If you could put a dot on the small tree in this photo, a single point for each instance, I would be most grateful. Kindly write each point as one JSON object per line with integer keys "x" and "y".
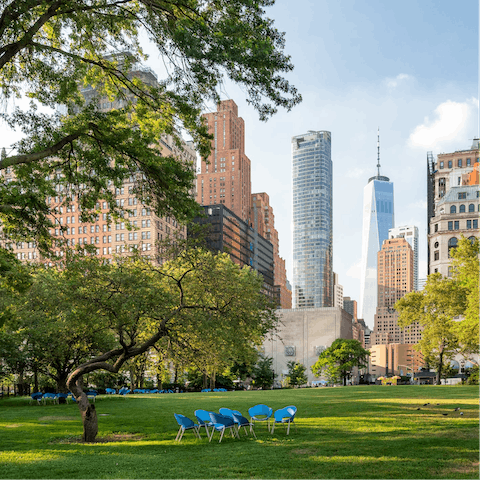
{"x": 296, "y": 374}
{"x": 339, "y": 360}
{"x": 263, "y": 373}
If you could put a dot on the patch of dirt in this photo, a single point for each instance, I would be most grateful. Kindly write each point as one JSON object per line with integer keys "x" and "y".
{"x": 116, "y": 437}
{"x": 303, "y": 451}
{"x": 53, "y": 418}
{"x": 467, "y": 469}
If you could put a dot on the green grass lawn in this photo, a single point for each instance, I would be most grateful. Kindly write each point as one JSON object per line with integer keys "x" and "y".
{"x": 349, "y": 432}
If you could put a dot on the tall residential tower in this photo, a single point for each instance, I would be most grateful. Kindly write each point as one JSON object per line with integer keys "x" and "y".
{"x": 377, "y": 220}
{"x": 312, "y": 220}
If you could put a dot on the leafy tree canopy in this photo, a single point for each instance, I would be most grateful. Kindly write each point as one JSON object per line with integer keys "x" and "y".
{"x": 338, "y": 360}
{"x": 434, "y": 308}
{"x": 466, "y": 276}
{"x": 55, "y": 52}
{"x": 111, "y": 313}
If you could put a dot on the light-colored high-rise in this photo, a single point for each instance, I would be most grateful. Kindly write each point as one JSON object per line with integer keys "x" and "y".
{"x": 378, "y": 219}
{"x": 410, "y": 234}
{"x": 312, "y": 220}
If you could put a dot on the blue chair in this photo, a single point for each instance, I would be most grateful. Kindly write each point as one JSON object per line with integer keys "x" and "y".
{"x": 110, "y": 391}
{"x": 260, "y": 413}
{"x": 241, "y": 421}
{"x": 228, "y": 412}
{"x": 36, "y": 396}
{"x": 185, "y": 424}
{"x": 92, "y": 394}
{"x": 285, "y": 416}
{"x": 62, "y": 395}
{"x": 220, "y": 423}
{"x": 49, "y": 396}
{"x": 203, "y": 417}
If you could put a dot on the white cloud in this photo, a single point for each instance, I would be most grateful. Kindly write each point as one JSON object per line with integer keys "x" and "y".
{"x": 355, "y": 172}
{"x": 355, "y": 271}
{"x": 450, "y": 123}
{"x": 400, "y": 78}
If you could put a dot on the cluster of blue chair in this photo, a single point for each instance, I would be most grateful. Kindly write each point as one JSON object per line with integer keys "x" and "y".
{"x": 124, "y": 391}
{"x": 233, "y": 420}
{"x": 215, "y": 390}
{"x": 40, "y": 397}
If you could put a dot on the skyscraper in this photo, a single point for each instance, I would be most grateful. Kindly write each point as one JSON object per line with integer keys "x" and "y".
{"x": 312, "y": 220}
{"x": 410, "y": 234}
{"x": 377, "y": 220}
{"x": 225, "y": 177}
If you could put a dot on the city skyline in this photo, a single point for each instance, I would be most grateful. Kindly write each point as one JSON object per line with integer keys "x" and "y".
{"x": 359, "y": 67}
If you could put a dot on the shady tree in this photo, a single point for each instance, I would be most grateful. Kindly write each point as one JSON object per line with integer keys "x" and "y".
{"x": 135, "y": 305}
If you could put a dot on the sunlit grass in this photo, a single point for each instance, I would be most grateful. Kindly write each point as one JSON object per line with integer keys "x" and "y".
{"x": 352, "y": 432}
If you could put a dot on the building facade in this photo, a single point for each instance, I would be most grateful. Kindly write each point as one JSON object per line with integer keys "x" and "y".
{"x": 302, "y": 336}
{"x": 312, "y": 220}
{"x": 229, "y": 233}
{"x": 378, "y": 219}
{"x": 453, "y": 204}
{"x": 224, "y": 178}
{"x": 111, "y": 238}
{"x": 387, "y": 360}
{"x": 395, "y": 280}
{"x": 263, "y": 221}
{"x": 410, "y": 234}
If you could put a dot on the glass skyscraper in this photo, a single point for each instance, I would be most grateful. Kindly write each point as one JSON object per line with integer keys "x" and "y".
{"x": 312, "y": 220}
{"x": 377, "y": 220}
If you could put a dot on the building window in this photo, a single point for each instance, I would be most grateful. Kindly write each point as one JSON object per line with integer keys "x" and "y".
{"x": 475, "y": 224}
{"x": 450, "y": 225}
{"x": 450, "y": 271}
{"x": 436, "y": 255}
{"x": 456, "y": 225}
{"x": 469, "y": 224}
{"x": 460, "y": 164}
{"x": 436, "y": 244}
{"x": 462, "y": 195}
{"x": 472, "y": 239}
{"x": 441, "y": 165}
{"x": 449, "y": 164}
{"x": 453, "y": 209}
{"x": 471, "y": 208}
{"x": 436, "y": 227}
{"x": 469, "y": 162}
{"x": 452, "y": 243}
{"x": 462, "y": 208}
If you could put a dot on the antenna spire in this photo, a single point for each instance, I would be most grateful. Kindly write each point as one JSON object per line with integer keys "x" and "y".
{"x": 378, "y": 151}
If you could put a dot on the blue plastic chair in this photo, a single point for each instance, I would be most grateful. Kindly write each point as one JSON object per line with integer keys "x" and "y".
{"x": 185, "y": 424}
{"x": 228, "y": 412}
{"x": 260, "y": 413}
{"x": 220, "y": 423}
{"x": 36, "y": 396}
{"x": 62, "y": 395}
{"x": 203, "y": 417}
{"x": 110, "y": 391}
{"x": 285, "y": 416}
{"x": 49, "y": 396}
{"x": 241, "y": 421}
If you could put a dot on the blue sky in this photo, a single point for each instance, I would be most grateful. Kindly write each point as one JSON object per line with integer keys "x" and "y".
{"x": 410, "y": 68}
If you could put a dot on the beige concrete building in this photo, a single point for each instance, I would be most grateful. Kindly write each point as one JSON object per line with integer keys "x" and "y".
{"x": 302, "y": 336}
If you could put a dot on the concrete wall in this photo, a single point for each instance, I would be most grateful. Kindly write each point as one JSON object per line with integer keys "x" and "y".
{"x": 307, "y": 330}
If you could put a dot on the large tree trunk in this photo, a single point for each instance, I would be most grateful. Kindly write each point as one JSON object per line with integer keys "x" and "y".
{"x": 439, "y": 368}
{"x": 87, "y": 411}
